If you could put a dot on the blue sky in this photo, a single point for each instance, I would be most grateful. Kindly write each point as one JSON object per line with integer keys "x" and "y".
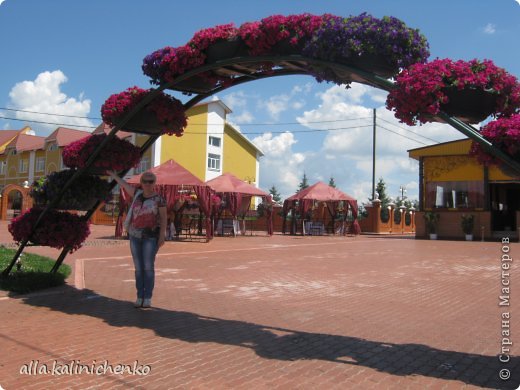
{"x": 67, "y": 57}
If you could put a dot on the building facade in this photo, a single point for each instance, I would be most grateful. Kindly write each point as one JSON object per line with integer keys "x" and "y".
{"x": 452, "y": 183}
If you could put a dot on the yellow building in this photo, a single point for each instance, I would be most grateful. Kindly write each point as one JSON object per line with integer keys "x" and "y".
{"x": 453, "y": 183}
{"x": 24, "y": 158}
{"x": 209, "y": 147}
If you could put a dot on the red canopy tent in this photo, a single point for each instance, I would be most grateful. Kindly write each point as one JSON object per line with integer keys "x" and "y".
{"x": 237, "y": 196}
{"x": 302, "y": 202}
{"x": 174, "y": 182}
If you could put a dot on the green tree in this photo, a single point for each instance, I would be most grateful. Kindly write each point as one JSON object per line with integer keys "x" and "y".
{"x": 381, "y": 190}
{"x": 304, "y": 183}
{"x": 277, "y": 198}
{"x": 383, "y": 197}
{"x": 332, "y": 183}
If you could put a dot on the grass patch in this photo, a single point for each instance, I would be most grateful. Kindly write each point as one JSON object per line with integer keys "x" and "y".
{"x": 33, "y": 274}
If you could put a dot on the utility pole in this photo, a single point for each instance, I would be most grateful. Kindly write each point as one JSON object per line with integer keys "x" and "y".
{"x": 374, "y": 155}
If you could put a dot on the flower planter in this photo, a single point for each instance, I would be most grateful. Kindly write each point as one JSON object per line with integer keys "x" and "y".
{"x": 145, "y": 122}
{"x": 225, "y": 49}
{"x": 469, "y": 105}
{"x": 82, "y": 194}
{"x": 117, "y": 155}
{"x": 284, "y": 47}
{"x": 57, "y": 229}
{"x": 469, "y": 237}
{"x": 81, "y": 205}
{"x": 433, "y": 236}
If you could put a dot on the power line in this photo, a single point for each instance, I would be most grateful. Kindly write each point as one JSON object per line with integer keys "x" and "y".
{"x": 199, "y": 133}
{"x": 401, "y": 135}
{"x": 249, "y": 132}
{"x": 194, "y": 124}
{"x": 410, "y": 131}
{"x": 48, "y": 113}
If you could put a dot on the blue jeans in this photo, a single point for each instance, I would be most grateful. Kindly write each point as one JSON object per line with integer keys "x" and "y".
{"x": 143, "y": 252}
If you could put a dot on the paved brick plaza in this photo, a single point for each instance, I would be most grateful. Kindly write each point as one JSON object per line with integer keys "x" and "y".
{"x": 262, "y": 313}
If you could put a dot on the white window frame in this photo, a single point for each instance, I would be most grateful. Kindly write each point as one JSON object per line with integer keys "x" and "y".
{"x": 212, "y": 139}
{"x": 3, "y": 167}
{"x": 144, "y": 165}
{"x": 214, "y": 162}
{"x": 23, "y": 165}
{"x": 40, "y": 164}
{"x": 52, "y": 147}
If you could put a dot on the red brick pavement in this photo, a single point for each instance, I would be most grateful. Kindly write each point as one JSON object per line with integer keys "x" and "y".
{"x": 270, "y": 313}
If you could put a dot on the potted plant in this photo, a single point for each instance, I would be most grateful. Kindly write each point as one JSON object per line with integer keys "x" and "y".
{"x": 431, "y": 220}
{"x": 470, "y": 90}
{"x": 279, "y": 34}
{"x": 117, "y": 155}
{"x": 57, "y": 229}
{"x": 467, "y": 223}
{"x": 81, "y": 195}
{"x": 381, "y": 46}
{"x": 163, "y": 115}
{"x": 503, "y": 133}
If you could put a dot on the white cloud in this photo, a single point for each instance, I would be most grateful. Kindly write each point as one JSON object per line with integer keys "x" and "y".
{"x": 490, "y": 28}
{"x": 44, "y": 95}
{"x": 346, "y": 153}
{"x": 1, "y": 1}
{"x": 280, "y": 166}
{"x": 278, "y": 104}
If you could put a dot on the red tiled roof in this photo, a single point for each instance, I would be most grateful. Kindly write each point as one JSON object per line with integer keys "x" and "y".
{"x": 24, "y": 142}
{"x": 104, "y": 128}
{"x": 64, "y": 136}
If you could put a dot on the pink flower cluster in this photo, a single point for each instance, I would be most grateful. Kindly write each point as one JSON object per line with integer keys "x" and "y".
{"x": 117, "y": 155}
{"x": 261, "y": 36}
{"x": 57, "y": 229}
{"x": 207, "y": 37}
{"x": 168, "y": 110}
{"x": 165, "y": 64}
{"x": 503, "y": 133}
{"x": 421, "y": 90}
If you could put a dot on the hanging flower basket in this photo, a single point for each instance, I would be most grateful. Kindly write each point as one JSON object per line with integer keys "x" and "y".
{"x": 57, "y": 229}
{"x": 504, "y": 134}
{"x": 381, "y": 46}
{"x": 470, "y": 105}
{"x": 163, "y": 115}
{"x": 117, "y": 155}
{"x": 279, "y": 34}
{"x": 423, "y": 90}
{"x": 223, "y": 50}
{"x": 81, "y": 195}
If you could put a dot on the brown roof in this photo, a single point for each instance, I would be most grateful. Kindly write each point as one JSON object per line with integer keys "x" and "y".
{"x": 24, "y": 142}
{"x": 64, "y": 136}
{"x": 104, "y": 128}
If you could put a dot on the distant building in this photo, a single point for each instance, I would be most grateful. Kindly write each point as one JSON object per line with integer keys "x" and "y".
{"x": 453, "y": 183}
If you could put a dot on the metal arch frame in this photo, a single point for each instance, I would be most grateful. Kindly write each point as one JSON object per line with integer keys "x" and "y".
{"x": 300, "y": 68}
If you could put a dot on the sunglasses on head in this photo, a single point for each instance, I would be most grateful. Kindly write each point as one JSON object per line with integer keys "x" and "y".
{"x": 148, "y": 181}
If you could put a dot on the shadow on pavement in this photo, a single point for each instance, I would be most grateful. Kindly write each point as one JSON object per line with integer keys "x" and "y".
{"x": 286, "y": 344}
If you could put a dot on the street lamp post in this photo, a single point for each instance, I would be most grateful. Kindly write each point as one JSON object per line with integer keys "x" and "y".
{"x": 402, "y": 189}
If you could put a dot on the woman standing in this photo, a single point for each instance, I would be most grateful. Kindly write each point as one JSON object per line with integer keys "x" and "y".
{"x": 146, "y": 230}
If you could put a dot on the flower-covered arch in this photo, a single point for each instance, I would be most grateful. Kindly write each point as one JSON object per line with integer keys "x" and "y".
{"x": 331, "y": 48}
